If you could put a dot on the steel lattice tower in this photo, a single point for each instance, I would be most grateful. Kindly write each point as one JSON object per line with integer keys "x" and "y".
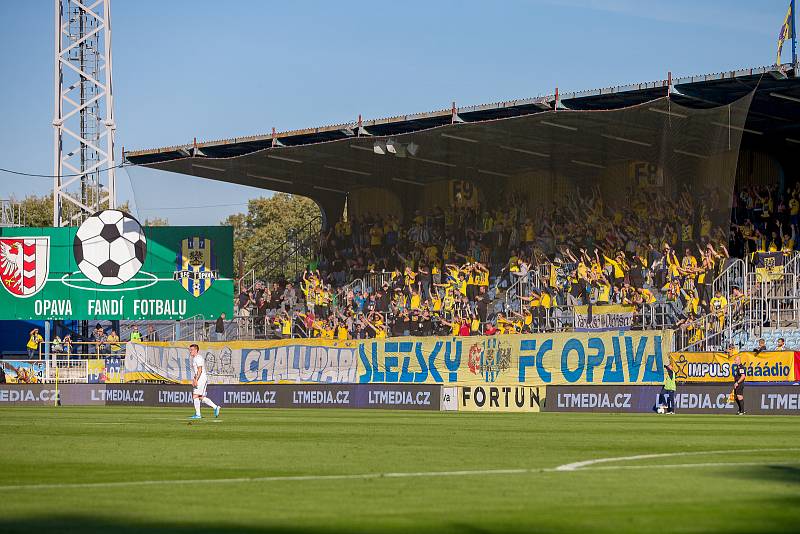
{"x": 83, "y": 123}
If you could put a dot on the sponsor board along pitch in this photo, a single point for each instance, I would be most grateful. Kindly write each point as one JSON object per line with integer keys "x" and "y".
{"x": 122, "y": 469}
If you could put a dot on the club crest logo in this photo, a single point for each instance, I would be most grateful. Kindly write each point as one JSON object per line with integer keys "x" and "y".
{"x": 24, "y": 264}
{"x": 488, "y": 359}
{"x": 196, "y": 265}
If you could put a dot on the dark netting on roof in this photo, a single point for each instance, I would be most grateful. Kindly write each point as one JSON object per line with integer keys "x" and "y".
{"x": 648, "y": 174}
{"x": 627, "y": 178}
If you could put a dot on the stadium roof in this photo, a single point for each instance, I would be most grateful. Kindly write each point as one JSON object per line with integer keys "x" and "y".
{"x": 317, "y": 162}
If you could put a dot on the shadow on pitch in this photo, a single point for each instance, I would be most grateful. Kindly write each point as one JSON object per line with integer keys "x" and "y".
{"x": 85, "y": 524}
{"x": 95, "y": 525}
{"x": 782, "y": 474}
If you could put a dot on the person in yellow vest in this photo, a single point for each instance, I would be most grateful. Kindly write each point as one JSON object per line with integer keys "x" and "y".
{"x": 528, "y": 232}
{"x": 475, "y": 325}
{"x": 603, "y": 291}
{"x": 672, "y": 263}
{"x": 794, "y": 210}
{"x": 34, "y": 339}
{"x": 414, "y": 301}
{"x": 114, "y": 344}
{"x": 136, "y": 335}
{"x": 409, "y": 279}
{"x": 719, "y": 306}
{"x": 524, "y": 320}
{"x": 339, "y": 228}
{"x": 480, "y": 274}
{"x": 668, "y": 390}
{"x": 377, "y": 326}
{"x": 705, "y": 226}
{"x": 646, "y": 295}
{"x": 285, "y": 322}
{"x": 692, "y": 298}
{"x": 696, "y": 328}
{"x": 341, "y": 330}
{"x": 376, "y": 237}
{"x": 328, "y": 330}
{"x": 507, "y": 325}
{"x": 618, "y": 265}
{"x": 455, "y": 325}
{"x": 436, "y": 301}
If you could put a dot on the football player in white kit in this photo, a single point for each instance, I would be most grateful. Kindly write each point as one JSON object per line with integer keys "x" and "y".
{"x": 199, "y": 382}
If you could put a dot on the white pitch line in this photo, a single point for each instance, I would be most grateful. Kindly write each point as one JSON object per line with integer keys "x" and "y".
{"x": 417, "y": 474}
{"x": 576, "y": 466}
{"x": 363, "y": 476}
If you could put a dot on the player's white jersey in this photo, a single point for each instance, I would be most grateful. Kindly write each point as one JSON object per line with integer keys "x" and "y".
{"x": 199, "y": 363}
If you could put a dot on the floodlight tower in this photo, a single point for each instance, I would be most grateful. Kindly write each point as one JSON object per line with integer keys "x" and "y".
{"x": 83, "y": 175}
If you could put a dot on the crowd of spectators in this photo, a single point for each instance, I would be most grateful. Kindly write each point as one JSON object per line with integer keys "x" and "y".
{"x": 452, "y": 270}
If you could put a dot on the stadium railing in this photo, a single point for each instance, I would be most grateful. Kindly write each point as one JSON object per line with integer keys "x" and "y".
{"x": 287, "y": 259}
{"x": 193, "y": 328}
{"x": 66, "y": 371}
{"x": 80, "y": 350}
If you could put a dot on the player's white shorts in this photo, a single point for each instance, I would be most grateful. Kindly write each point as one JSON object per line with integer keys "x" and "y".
{"x": 201, "y": 387}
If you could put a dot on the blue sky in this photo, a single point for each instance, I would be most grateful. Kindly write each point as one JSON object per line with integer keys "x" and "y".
{"x": 213, "y": 70}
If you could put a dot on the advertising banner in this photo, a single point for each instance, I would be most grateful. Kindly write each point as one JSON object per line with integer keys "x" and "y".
{"x": 603, "y": 318}
{"x": 761, "y": 399}
{"x": 449, "y": 399}
{"x": 23, "y": 372}
{"x": 112, "y": 268}
{"x": 773, "y": 400}
{"x": 81, "y": 394}
{"x": 368, "y": 396}
{"x": 500, "y": 398}
{"x": 49, "y": 395}
{"x": 616, "y": 399}
{"x": 247, "y": 362}
{"x": 516, "y": 360}
{"x": 399, "y": 397}
{"x": 718, "y": 366}
{"x": 27, "y": 394}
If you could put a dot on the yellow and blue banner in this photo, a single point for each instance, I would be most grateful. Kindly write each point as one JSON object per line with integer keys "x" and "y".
{"x": 246, "y": 362}
{"x": 517, "y": 360}
{"x": 505, "y": 360}
{"x": 718, "y": 366}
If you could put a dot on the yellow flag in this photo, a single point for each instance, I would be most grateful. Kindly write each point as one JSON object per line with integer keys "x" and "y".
{"x": 785, "y": 33}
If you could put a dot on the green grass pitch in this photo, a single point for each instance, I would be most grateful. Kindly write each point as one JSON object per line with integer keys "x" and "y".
{"x": 120, "y": 470}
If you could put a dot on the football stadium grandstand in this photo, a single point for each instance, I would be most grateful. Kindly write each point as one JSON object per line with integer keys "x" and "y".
{"x": 479, "y": 330}
{"x": 670, "y": 204}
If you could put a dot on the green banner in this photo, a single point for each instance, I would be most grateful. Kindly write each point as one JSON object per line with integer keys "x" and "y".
{"x": 112, "y": 268}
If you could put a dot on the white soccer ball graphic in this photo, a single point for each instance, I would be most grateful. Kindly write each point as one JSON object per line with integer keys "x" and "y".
{"x": 110, "y": 247}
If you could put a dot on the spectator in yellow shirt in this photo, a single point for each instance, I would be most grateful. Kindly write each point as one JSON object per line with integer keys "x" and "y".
{"x": 33, "y": 344}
